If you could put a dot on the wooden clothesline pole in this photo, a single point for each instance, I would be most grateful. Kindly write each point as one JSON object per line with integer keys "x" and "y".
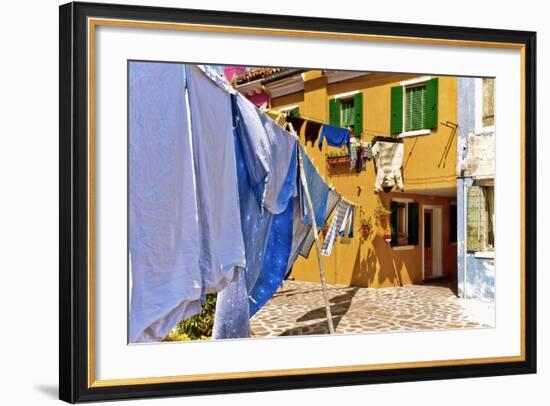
{"x": 317, "y": 244}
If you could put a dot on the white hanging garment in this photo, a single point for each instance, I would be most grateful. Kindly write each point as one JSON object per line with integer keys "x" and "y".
{"x": 163, "y": 228}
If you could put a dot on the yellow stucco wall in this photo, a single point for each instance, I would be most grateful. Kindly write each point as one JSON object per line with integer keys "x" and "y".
{"x": 429, "y": 163}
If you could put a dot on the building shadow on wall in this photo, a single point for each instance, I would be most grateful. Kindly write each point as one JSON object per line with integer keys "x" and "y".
{"x": 339, "y": 306}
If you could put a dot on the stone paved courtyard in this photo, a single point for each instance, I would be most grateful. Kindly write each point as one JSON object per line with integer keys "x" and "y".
{"x": 298, "y": 309}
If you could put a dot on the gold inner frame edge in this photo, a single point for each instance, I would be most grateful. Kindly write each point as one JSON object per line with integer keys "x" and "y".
{"x": 93, "y": 22}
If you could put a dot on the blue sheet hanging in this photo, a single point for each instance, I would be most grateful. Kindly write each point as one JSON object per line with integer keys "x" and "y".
{"x": 318, "y": 191}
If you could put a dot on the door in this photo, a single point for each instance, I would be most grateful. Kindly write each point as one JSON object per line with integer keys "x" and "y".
{"x": 433, "y": 242}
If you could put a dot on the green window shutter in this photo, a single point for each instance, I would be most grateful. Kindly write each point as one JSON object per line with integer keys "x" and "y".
{"x": 295, "y": 112}
{"x": 413, "y": 223}
{"x": 394, "y": 207}
{"x": 430, "y": 107}
{"x": 334, "y": 112}
{"x": 358, "y": 119}
{"x": 396, "y": 120}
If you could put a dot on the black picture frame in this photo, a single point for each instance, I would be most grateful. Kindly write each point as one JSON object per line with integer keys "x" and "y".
{"x": 74, "y": 200}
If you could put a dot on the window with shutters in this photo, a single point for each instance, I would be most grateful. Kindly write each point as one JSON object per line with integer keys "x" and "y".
{"x": 346, "y": 110}
{"x": 404, "y": 223}
{"x": 480, "y": 219}
{"x": 414, "y": 107}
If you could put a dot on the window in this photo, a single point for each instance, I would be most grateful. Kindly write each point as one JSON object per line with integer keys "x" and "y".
{"x": 488, "y": 94}
{"x": 480, "y": 219}
{"x": 293, "y": 111}
{"x": 414, "y": 107}
{"x": 452, "y": 223}
{"x": 347, "y": 111}
{"x": 415, "y": 99}
{"x": 404, "y": 223}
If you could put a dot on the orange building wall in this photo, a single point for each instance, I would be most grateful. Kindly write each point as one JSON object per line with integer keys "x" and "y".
{"x": 372, "y": 262}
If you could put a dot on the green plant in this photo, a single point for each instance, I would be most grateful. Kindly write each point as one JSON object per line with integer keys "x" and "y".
{"x": 381, "y": 211}
{"x": 337, "y": 154}
{"x": 366, "y": 222}
{"x": 199, "y": 327}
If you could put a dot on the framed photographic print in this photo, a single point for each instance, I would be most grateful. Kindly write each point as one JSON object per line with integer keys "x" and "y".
{"x": 257, "y": 202}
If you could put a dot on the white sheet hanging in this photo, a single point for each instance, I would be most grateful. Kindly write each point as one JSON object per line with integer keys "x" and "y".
{"x": 220, "y": 236}
{"x": 163, "y": 227}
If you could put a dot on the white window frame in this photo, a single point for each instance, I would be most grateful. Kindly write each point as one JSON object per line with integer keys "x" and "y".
{"x": 408, "y": 84}
{"x": 406, "y": 220}
{"x": 478, "y": 97}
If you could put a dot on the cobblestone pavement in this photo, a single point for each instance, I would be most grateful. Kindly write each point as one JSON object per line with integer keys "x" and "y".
{"x": 297, "y": 308}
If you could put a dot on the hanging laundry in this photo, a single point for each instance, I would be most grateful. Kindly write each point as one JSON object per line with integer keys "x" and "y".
{"x": 299, "y": 233}
{"x": 353, "y": 153}
{"x": 335, "y": 136}
{"x": 332, "y": 200}
{"x": 312, "y": 132}
{"x": 233, "y": 319}
{"x": 352, "y": 221}
{"x": 367, "y": 151}
{"x": 281, "y": 182}
{"x": 337, "y": 224}
{"x": 276, "y": 258}
{"x": 359, "y": 161}
{"x": 318, "y": 191}
{"x": 297, "y": 123}
{"x": 256, "y": 148}
{"x": 163, "y": 230}
{"x": 257, "y": 224}
{"x": 220, "y": 236}
{"x": 346, "y": 229}
{"x": 388, "y": 157}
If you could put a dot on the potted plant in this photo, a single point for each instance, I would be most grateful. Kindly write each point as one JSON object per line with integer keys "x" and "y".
{"x": 337, "y": 157}
{"x": 383, "y": 216}
{"x": 365, "y": 227}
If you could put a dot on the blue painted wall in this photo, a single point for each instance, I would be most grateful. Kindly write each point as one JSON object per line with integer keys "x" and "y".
{"x": 475, "y": 276}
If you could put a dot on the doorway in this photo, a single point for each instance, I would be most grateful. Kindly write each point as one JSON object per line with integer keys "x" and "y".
{"x": 432, "y": 242}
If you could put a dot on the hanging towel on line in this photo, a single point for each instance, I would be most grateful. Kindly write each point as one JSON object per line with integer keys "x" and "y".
{"x": 297, "y": 123}
{"x": 332, "y": 200}
{"x": 220, "y": 236}
{"x": 337, "y": 224}
{"x": 335, "y": 136}
{"x": 312, "y": 132}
